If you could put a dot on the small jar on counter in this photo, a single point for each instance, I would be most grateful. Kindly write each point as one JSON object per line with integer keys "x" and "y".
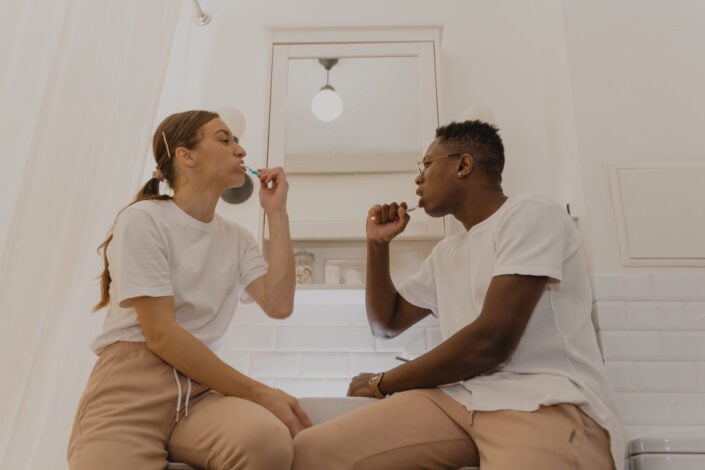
{"x": 304, "y": 266}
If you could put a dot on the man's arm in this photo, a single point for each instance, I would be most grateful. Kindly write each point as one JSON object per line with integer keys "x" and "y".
{"x": 387, "y": 312}
{"x": 477, "y": 348}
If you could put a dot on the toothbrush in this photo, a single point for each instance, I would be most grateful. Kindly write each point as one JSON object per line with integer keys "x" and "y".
{"x": 409, "y": 209}
{"x": 250, "y": 170}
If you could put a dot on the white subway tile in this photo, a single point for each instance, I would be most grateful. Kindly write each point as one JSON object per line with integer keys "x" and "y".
{"x": 251, "y": 338}
{"x": 301, "y": 387}
{"x": 313, "y": 387}
{"x": 238, "y": 360}
{"x": 644, "y": 408}
{"x": 352, "y": 338}
{"x": 701, "y": 376}
{"x": 330, "y": 296}
{"x": 667, "y": 376}
{"x": 412, "y": 341}
{"x": 323, "y": 314}
{"x": 630, "y": 345}
{"x": 623, "y": 287}
{"x": 358, "y": 316}
{"x": 688, "y": 408}
{"x": 274, "y": 364}
{"x": 325, "y": 365}
{"x": 684, "y": 345}
{"x": 655, "y": 316}
{"x": 679, "y": 286}
{"x": 433, "y": 337}
{"x": 610, "y": 315}
{"x": 372, "y": 362}
{"x": 622, "y": 376}
{"x": 251, "y": 314}
{"x": 301, "y": 338}
{"x": 694, "y": 313}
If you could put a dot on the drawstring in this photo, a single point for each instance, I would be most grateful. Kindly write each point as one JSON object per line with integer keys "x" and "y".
{"x": 178, "y": 398}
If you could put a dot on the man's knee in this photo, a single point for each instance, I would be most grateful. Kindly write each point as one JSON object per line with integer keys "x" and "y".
{"x": 266, "y": 445}
{"x": 309, "y": 448}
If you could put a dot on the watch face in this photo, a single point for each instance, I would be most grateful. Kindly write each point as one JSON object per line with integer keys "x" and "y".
{"x": 375, "y": 378}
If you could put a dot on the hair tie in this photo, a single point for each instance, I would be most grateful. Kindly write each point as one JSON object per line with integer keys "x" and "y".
{"x": 157, "y": 174}
{"x": 166, "y": 145}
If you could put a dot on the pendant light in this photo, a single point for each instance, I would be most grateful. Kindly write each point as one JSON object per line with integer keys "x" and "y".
{"x": 327, "y": 104}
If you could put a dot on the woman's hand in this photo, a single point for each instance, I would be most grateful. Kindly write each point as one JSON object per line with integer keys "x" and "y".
{"x": 386, "y": 221}
{"x": 273, "y": 188}
{"x": 285, "y": 407}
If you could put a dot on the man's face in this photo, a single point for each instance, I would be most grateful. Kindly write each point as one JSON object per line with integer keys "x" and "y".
{"x": 436, "y": 173}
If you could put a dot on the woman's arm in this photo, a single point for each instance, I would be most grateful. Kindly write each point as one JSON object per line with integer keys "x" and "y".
{"x": 180, "y": 349}
{"x": 274, "y": 292}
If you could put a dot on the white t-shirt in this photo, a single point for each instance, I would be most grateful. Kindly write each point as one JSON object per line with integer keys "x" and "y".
{"x": 159, "y": 250}
{"x": 557, "y": 359}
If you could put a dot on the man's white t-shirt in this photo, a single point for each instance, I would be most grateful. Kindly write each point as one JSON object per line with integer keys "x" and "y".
{"x": 159, "y": 250}
{"x": 557, "y": 359}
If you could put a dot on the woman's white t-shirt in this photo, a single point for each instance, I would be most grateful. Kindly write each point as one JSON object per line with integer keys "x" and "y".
{"x": 557, "y": 359}
{"x": 159, "y": 250}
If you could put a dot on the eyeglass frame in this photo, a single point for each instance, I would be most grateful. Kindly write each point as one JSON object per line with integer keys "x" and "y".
{"x": 424, "y": 164}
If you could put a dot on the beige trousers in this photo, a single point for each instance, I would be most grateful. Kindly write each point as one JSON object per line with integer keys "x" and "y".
{"x": 427, "y": 429}
{"x": 126, "y": 419}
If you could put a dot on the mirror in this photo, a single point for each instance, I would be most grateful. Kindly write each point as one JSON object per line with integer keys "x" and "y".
{"x": 378, "y": 129}
{"x": 365, "y": 151}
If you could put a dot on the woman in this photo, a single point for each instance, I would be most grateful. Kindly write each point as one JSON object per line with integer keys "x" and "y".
{"x": 173, "y": 273}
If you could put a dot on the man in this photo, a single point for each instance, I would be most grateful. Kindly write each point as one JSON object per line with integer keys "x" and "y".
{"x": 518, "y": 381}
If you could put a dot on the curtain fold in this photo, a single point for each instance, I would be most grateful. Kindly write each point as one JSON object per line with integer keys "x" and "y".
{"x": 80, "y": 86}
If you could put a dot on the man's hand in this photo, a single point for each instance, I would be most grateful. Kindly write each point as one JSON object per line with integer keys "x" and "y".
{"x": 360, "y": 386}
{"x": 386, "y": 221}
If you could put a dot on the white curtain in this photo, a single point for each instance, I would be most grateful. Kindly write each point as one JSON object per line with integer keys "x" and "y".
{"x": 80, "y": 82}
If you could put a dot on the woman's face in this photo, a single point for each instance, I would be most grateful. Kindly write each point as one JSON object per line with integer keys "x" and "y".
{"x": 218, "y": 156}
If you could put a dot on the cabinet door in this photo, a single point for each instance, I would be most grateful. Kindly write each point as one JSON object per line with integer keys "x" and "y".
{"x": 339, "y": 168}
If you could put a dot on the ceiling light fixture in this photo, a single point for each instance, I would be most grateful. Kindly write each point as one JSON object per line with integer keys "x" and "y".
{"x": 202, "y": 18}
{"x": 327, "y": 104}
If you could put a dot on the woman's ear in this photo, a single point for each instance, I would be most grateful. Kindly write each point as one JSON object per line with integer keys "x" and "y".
{"x": 184, "y": 156}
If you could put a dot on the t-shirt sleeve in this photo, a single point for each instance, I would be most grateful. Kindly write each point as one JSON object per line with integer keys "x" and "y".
{"x": 420, "y": 288}
{"x": 137, "y": 258}
{"x": 252, "y": 263}
{"x": 531, "y": 239}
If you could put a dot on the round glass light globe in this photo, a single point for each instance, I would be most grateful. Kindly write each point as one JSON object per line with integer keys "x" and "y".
{"x": 327, "y": 105}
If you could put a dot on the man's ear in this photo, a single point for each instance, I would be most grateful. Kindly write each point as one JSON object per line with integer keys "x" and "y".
{"x": 466, "y": 164}
{"x": 185, "y": 157}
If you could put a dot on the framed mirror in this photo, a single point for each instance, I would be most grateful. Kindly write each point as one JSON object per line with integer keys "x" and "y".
{"x": 348, "y": 121}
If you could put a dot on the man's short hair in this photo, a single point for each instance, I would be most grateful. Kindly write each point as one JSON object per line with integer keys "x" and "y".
{"x": 480, "y": 139}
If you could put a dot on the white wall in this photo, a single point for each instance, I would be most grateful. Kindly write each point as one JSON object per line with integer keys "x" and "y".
{"x": 637, "y": 71}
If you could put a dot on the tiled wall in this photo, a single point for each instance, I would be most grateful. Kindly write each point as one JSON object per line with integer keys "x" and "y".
{"x": 652, "y": 333}
{"x": 651, "y": 329}
{"x": 324, "y": 343}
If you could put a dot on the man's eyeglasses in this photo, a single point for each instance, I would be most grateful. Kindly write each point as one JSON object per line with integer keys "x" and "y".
{"x": 424, "y": 164}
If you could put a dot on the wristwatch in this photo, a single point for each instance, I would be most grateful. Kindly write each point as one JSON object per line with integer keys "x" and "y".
{"x": 374, "y": 384}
